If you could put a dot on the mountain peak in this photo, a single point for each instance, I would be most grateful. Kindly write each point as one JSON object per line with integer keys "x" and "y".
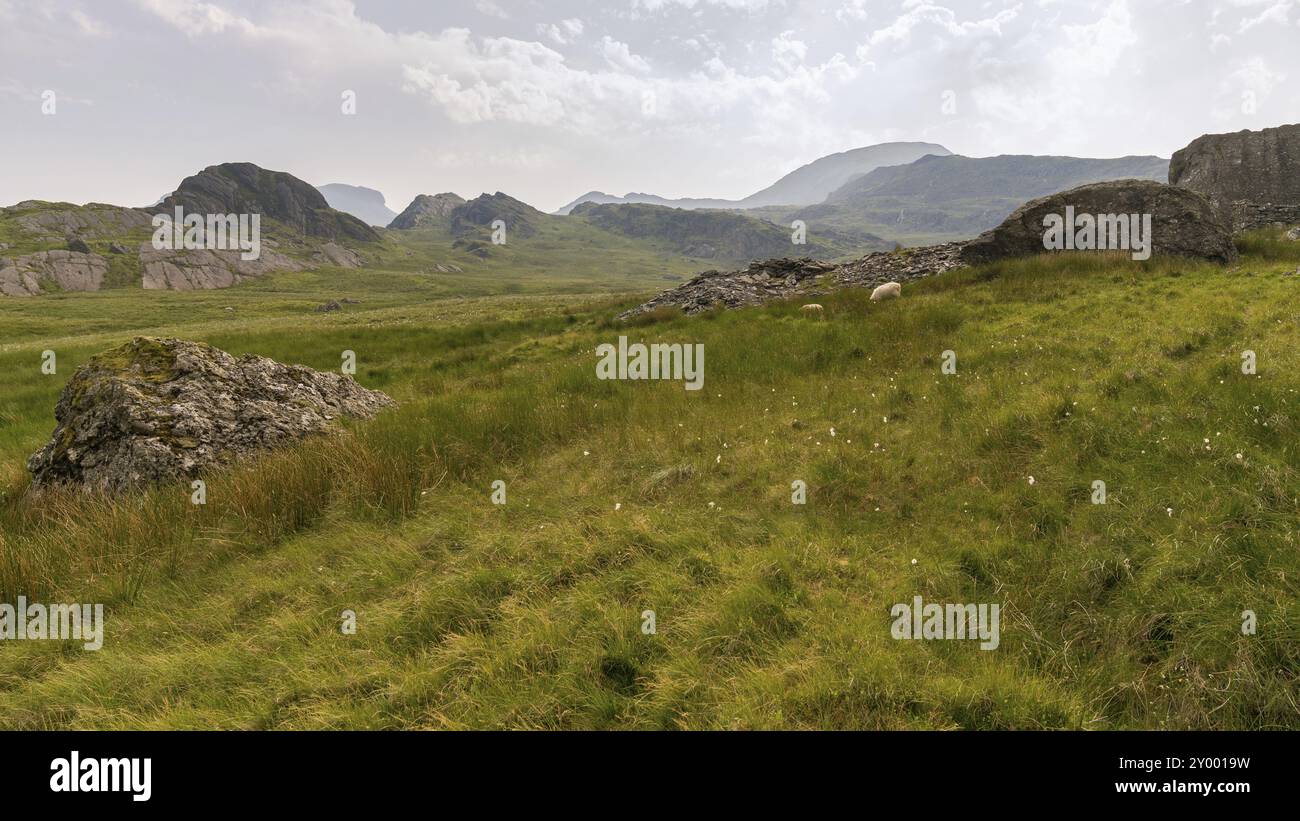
{"x": 426, "y": 208}
{"x": 244, "y": 188}
{"x": 366, "y": 204}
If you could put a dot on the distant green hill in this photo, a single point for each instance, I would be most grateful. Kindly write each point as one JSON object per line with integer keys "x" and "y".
{"x": 722, "y": 235}
{"x": 953, "y": 197}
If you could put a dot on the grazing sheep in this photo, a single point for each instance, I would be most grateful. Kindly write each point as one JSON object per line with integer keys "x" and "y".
{"x": 813, "y": 309}
{"x": 890, "y": 290}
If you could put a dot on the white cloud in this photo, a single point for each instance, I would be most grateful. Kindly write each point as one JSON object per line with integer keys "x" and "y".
{"x": 619, "y": 55}
{"x": 562, "y": 33}
{"x": 1277, "y": 14}
{"x": 741, "y": 5}
{"x": 491, "y": 9}
{"x": 87, "y": 25}
{"x": 194, "y": 18}
{"x": 852, "y": 10}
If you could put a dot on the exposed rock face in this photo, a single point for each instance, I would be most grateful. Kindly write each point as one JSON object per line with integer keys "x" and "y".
{"x": 1184, "y": 223}
{"x": 425, "y": 209}
{"x": 160, "y": 409}
{"x": 203, "y": 270}
{"x": 785, "y": 278}
{"x": 331, "y": 253}
{"x": 66, "y": 270}
{"x": 243, "y": 188}
{"x": 1236, "y": 171}
{"x": 50, "y": 221}
{"x": 79, "y": 245}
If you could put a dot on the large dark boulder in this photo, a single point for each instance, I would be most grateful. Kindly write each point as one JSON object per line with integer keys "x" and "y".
{"x": 1252, "y": 177}
{"x": 244, "y": 188}
{"x": 1183, "y": 222}
{"x": 159, "y": 409}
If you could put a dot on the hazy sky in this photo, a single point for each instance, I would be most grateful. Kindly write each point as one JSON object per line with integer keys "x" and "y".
{"x": 547, "y": 99}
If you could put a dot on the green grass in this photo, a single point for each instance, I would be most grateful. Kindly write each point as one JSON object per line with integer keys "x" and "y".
{"x": 633, "y": 496}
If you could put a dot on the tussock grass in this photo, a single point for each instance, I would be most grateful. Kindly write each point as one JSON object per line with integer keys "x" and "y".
{"x": 632, "y": 496}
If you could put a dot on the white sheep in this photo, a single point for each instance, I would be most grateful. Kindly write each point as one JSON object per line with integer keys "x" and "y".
{"x": 890, "y": 290}
{"x": 813, "y": 309}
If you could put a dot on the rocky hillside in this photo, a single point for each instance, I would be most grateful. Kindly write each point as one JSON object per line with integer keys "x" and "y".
{"x": 426, "y": 209}
{"x": 48, "y": 247}
{"x": 244, "y": 188}
{"x": 958, "y": 197}
{"x": 806, "y": 185}
{"x": 366, "y": 204}
{"x": 477, "y": 215}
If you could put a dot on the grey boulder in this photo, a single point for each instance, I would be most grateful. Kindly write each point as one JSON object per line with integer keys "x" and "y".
{"x": 154, "y": 410}
{"x": 1183, "y": 222}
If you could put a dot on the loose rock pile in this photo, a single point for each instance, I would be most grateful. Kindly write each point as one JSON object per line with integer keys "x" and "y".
{"x": 759, "y": 283}
{"x": 784, "y": 278}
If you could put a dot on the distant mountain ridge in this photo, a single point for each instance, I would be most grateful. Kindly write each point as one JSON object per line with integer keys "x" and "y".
{"x": 955, "y": 196}
{"x": 705, "y": 234}
{"x": 366, "y": 204}
{"x": 710, "y": 234}
{"x": 806, "y": 185}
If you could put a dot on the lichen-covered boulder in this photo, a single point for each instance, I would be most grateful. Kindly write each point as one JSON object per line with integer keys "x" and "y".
{"x": 159, "y": 409}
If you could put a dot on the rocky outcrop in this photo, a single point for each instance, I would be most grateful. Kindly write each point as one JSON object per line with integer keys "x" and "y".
{"x": 52, "y": 222}
{"x": 1243, "y": 171}
{"x": 34, "y": 274}
{"x": 477, "y": 216}
{"x": 426, "y": 209}
{"x": 203, "y": 270}
{"x": 1183, "y": 222}
{"x": 159, "y": 409}
{"x": 786, "y": 278}
{"x": 331, "y": 253}
{"x": 244, "y": 188}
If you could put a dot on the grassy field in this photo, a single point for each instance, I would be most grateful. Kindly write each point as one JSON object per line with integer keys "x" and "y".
{"x": 624, "y": 497}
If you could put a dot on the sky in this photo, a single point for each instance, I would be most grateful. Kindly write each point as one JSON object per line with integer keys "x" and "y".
{"x": 118, "y": 100}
